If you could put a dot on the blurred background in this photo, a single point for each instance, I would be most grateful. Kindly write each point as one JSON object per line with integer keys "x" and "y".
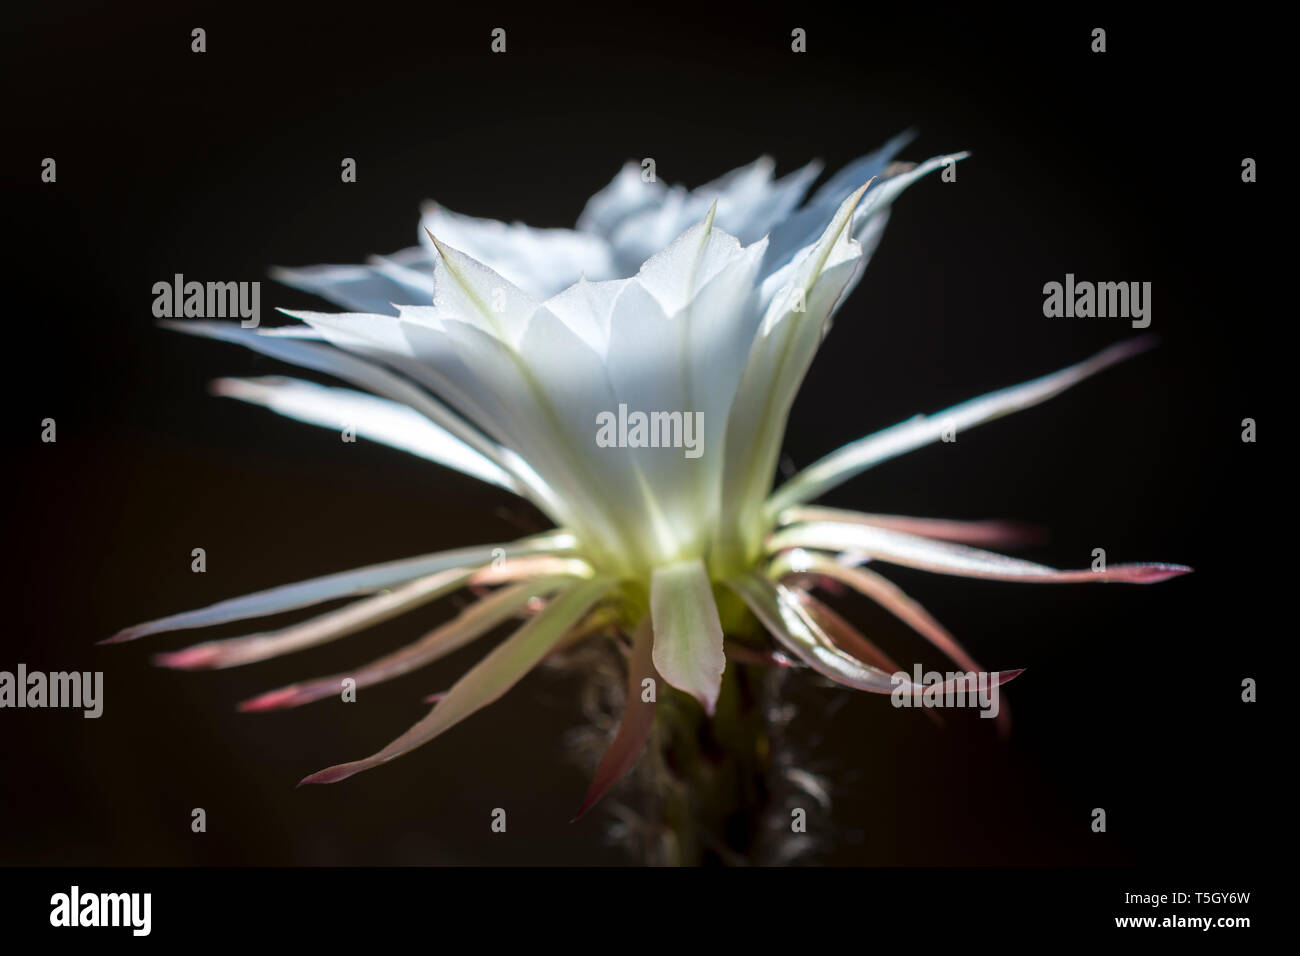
{"x": 1122, "y": 166}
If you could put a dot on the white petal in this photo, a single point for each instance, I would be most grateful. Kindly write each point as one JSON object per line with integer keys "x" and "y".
{"x": 803, "y": 227}
{"x": 689, "y": 261}
{"x": 547, "y": 396}
{"x": 586, "y": 308}
{"x": 487, "y": 680}
{"x": 774, "y": 369}
{"x": 377, "y": 419}
{"x": 469, "y": 291}
{"x": 473, "y": 622}
{"x": 373, "y": 577}
{"x": 360, "y": 288}
{"x": 756, "y": 219}
{"x": 421, "y": 350}
{"x": 686, "y": 364}
{"x": 841, "y": 465}
{"x": 746, "y": 201}
{"x": 787, "y": 620}
{"x": 357, "y": 371}
{"x": 540, "y": 261}
{"x": 626, "y": 193}
{"x": 687, "y": 632}
{"x": 250, "y": 648}
{"x": 943, "y": 557}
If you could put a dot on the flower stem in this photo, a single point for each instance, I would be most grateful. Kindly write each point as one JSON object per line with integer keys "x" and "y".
{"x": 715, "y": 779}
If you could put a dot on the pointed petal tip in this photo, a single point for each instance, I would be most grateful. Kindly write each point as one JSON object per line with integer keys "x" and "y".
{"x": 271, "y": 700}
{"x": 1125, "y": 349}
{"x": 442, "y": 250}
{"x": 593, "y": 797}
{"x": 198, "y": 657}
{"x": 328, "y": 775}
{"x": 227, "y": 388}
{"x": 1145, "y": 573}
{"x": 688, "y": 644}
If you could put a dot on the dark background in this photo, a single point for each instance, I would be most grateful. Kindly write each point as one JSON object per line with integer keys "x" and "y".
{"x": 1120, "y": 166}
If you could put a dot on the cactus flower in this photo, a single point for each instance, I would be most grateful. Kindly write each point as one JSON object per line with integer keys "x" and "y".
{"x": 632, "y": 378}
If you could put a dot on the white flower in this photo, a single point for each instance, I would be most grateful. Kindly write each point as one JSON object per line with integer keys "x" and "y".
{"x": 533, "y": 338}
{"x": 622, "y": 226}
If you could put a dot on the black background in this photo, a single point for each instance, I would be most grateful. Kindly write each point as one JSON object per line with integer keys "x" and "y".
{"x": 1119, "y": 166}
